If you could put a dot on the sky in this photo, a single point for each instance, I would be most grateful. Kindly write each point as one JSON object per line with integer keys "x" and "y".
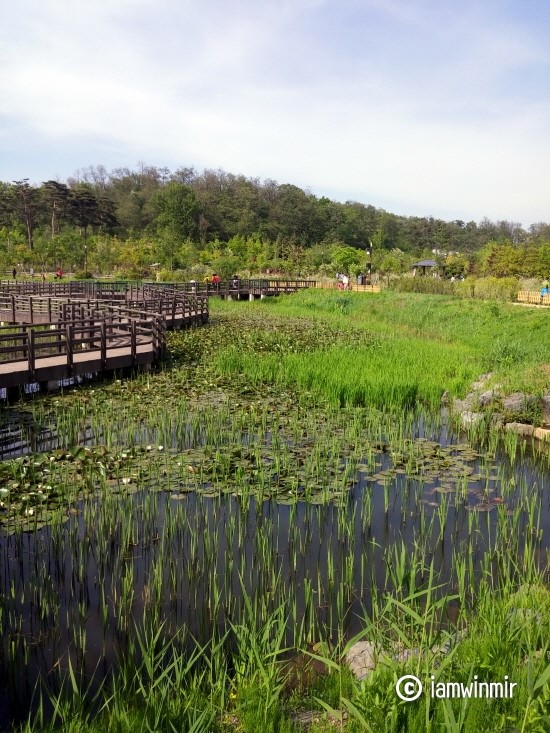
{"x": 419, "y": 107}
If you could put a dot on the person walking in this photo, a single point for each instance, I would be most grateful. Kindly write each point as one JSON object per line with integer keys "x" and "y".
{"x": 14, "y": 273}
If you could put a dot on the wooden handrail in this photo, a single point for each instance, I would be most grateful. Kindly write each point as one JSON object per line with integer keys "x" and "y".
{"x": 66, "y": 322}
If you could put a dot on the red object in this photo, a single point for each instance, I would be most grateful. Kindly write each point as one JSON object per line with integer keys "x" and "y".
{"x": 215, "y": 279}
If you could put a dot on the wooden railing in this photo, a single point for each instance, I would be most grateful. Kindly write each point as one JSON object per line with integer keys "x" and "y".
{"x": 90, "y": 326}
{"x": 352, "y": 286}
{"x": 534, "y": 297}
{"x": 237, "y": 286}
{"x": 112, "y": 290}
{"x": 55, "y": 338}
{"x": 37, "y": 309}
{"x": 124, "y": 290}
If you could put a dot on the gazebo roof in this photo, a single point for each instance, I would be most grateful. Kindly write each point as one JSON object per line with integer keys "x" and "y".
{"x": 425, "y": 263}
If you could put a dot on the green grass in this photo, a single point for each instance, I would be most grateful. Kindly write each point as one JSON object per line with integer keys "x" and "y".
{"x": 393, "y": 350}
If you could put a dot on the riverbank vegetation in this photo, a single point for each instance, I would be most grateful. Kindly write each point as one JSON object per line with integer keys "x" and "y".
{"x": 186, "y": 223}
{"x": 212, "y": 540}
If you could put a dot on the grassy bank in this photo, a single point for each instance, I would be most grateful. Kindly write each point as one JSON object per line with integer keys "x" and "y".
{"x": 397, "y": 349}
{"x": 258, "y": 687}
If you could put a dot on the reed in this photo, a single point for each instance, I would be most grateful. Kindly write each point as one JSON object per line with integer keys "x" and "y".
{"x": 198, "y": 548}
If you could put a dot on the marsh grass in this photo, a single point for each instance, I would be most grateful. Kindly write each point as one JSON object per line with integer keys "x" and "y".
{"x": 497, "y": 337}
{"x": 282, "y": 488}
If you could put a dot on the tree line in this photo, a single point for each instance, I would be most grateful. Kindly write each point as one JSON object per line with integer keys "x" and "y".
{"x": 132, "y": 219}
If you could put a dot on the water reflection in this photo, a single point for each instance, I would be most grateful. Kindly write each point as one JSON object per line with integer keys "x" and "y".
{"x": 185, "y": 560}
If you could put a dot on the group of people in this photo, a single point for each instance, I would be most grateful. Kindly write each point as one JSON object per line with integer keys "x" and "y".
{"x": 31, "y": 273}
{"x": 215, "y": 279}
{"x": 343, "y": 280}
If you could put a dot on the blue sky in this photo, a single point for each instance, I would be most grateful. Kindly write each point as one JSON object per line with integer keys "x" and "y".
{"x": 421, "y": 107}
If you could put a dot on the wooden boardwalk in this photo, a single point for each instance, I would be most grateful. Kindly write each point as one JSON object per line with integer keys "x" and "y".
{"x": 51, "y": 331}
{"x": 138, "y": 291}
{"x": 45, "y": 339}
{"x": 178, "y": 309}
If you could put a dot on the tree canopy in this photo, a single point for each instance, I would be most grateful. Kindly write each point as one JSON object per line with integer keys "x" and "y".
{"x": 185, "y": 218}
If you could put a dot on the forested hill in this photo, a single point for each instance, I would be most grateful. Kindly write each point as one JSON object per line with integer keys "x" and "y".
{"x": 174, "y": 216}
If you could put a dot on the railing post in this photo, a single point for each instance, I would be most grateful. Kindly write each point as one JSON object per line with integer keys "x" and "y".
{"x": 70, "y": 346}
{"x": 13, "y": 319}
{"x": 30, "y": 353}
{"x": 133, "y": 340}
{"x": 103, "y": 345}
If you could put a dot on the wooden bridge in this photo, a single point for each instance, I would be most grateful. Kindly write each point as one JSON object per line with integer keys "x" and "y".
{"x": 236, "y": 288}
{"x": 51, "y": 331}
{"x": 52, "y": 338}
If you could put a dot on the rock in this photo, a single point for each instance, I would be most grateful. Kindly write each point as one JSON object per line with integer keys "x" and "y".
{"x": 403, "y": 655}
{"x": 306, "y": 719}
{"x": 545, "y": 405}
{"x": 518, "y": 401}
{"x": 482, "y": 381}
{"x": 520, "y": 428}
{"x": 541, "y": 433}
{"x": 302, "y": 670}
{"x": 525, "y": 614}
{"x": 466, "y": 404}
{"x": 485, "y": 398}
{"x": 497, "y": 420}
{"x": 470, "y": 418}
{"x": 361, "y": 658}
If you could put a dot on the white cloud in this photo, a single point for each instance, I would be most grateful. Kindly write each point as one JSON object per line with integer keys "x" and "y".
{"x": 421, "y": 104}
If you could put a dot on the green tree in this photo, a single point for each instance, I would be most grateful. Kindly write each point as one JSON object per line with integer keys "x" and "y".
{"x": 456, "y": 265}
{"x": 176, "y": 220}
{"x": 57, "y": 200}
{"x": 347, "y": 259}
{"x": 27, "y": 207}
{"x": 394, "y": 262}
{"x": 500, "y": 259}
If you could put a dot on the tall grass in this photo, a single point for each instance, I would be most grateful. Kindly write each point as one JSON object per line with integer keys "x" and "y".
{"x": 240, "y": 519}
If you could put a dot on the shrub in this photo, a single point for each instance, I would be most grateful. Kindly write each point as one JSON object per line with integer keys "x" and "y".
{"x": 483, "y": 288}
{"x": 172, "y": 276}
{"x": 430, "y": 285}
{"x": 496, "y": 288}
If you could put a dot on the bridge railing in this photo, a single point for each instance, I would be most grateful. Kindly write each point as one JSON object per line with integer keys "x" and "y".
{"x": 59, "y": 331}
{"x": 134, "y": 291}
{"x": 234, "y": 286}
{"x": 113, "y": 289}
{"x": 534, "y": 297}
{"x": 47, "y": 309}
{"x": 25, "y": 345}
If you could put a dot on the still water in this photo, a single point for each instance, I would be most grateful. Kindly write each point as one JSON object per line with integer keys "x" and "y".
{"x": 71, "y": 593}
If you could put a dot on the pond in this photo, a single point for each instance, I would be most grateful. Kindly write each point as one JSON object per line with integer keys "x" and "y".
{"x": 317, "y": 511}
